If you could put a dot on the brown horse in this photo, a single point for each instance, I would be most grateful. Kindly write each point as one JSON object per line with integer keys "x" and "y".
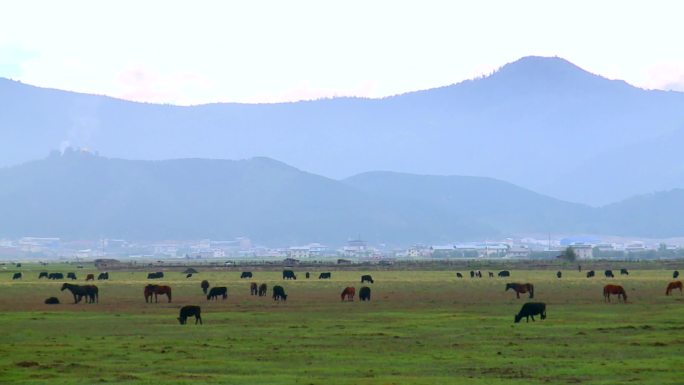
{"x": 674, "y": 285}
{"x": 349, "y": 293}
{"x": 157, "y": 290}
{"x": 614, "y": 289}
{"x": 521, "y": 288}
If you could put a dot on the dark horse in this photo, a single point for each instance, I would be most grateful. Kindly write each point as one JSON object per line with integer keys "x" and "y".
{"x": 157, "y": 290}
{"x": 674, "y": 285}
{"x": 80, "y": 291}
{"x": 614, "y": 289}
{"x": 521, "y": 288}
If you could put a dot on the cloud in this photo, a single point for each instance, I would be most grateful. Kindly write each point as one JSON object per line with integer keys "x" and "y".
{"x": 142, "y": 85}
{"x": 12, "y": 58}
{"x": 669, "y": 76}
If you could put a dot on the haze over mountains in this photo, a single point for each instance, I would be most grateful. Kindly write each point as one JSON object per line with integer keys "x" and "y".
{"x": 78, "y": 195}
{"x": 541, "y": 123}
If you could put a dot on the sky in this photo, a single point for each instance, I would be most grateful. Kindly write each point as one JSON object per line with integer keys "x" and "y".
{"x": 187, "y": 53}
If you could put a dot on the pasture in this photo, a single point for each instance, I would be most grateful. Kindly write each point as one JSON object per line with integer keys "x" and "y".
{"x": 421, "y": 327}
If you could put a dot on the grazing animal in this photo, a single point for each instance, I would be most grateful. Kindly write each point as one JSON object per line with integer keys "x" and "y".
{"x": 491, "y": 275}
{"x": 16, "y": 276}
{"x": 157, "y": 275}
{"x": 90, "y": 277}
{"x": 79, "y": 291}
{"x": 103, "y": 276}
{"x": 367, "y": 278}
{"x": 365, "y": 293}
{"x": 55, "y": 276}
{"x": 189, "y": 275}
{"x": 530, "y": 309}
{"x": 348, "y": 293}
{"x": 204, "y": 285}
{"x": 609, "y": 274}
{"x": 479, "y": 274}
{"x": 521, "y": 288}
{"x": 674, "y": 285}
{"x": 675, "y": 274}
{"x": 624, "y": 272}
{"x": 459, "y": 275}
{"x": 189, "y": 311}
{"x": 307, "y": 275}
{"x": 52, "y": 301}
{"x": 253, "y": 289}
{"x": 289, "y": 274}
{"x": 156, "y": 290}
{"x": 262, "y": 289}
{"x": 504, "y": 273}
{"x": 590, "y": 273}
{"x": 279, "y": 293}
{"x": 72, "y": 276}
{"x": 246, "y": 274}
{"x": 559, "y": 274}
{"x": 215, "y": 292}
{"x": 614, "y": 289}
{"x": 472, "y": 274}
{"x": 43, "y": 274}
{"x": 327, "y": 275}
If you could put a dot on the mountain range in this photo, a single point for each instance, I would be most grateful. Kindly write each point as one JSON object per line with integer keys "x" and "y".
{"x": 538, "y": 122}
{"x": 80, "y": 195}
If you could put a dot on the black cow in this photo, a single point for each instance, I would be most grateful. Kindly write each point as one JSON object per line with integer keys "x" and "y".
{"x": 279, "y": 293}
{"x": 491, "y": 275}
{"x": 189, "y": 275}
{"x": 103, "y": 276}
{"x": 18, "y": 264}
{"x": 55, "y": 276}
{"x": 204, "y": 285}
{"x": 624, "y": 272}
{"x": 609, "y": 274}
{"x": 504, "y": 273}
{"x": 307, "y": 275}
{"x": 459, "y": 275}
{"x": 530, "y": 309}
{"x": 16, "y": 276}
{"x": 367, "y": 278}
{"x": 472, "y": 274}
{"x": 289, "y": 274}
{"x": 675, "y": 274}
{"x": 71, "y": 276}
{"x": 262, "y": 289}
{"x": 189, "y": 311}
{"x": 365, "y": 293}
{"x": 43, "y": 274}
{"x": 246, "y": 274}
{"x": 590, "y": 273}
{"x": 157, "y": 275}
{"x": 215, "y": 292}
{"x": 253, "y": 288}
{"x": 52, "y": 301}
{"x": 479, "y": 274}
{"x": 327, "y": 275}
{"x": 559, "y": 274}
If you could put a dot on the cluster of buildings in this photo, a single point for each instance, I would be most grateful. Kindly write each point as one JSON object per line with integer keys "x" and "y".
{"x": 353, "y": 249}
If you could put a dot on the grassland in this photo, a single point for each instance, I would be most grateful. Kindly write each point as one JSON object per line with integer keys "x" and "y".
{"x": 422, "y": 327}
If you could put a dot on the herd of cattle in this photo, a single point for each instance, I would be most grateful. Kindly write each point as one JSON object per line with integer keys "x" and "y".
{"x": 528, "y": 310}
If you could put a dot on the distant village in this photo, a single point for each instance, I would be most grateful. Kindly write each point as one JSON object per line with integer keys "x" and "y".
{"x": 353, "y": 249}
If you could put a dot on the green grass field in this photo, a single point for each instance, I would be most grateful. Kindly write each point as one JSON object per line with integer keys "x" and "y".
{"x": 422, "y": 327}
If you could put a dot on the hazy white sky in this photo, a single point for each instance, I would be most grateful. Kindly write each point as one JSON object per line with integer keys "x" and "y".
{"x": 195, "y": 52}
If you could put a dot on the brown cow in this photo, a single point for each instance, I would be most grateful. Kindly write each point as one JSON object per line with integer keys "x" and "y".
{"x": 90, "y": 277}
{"x": 349, "y": 293}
